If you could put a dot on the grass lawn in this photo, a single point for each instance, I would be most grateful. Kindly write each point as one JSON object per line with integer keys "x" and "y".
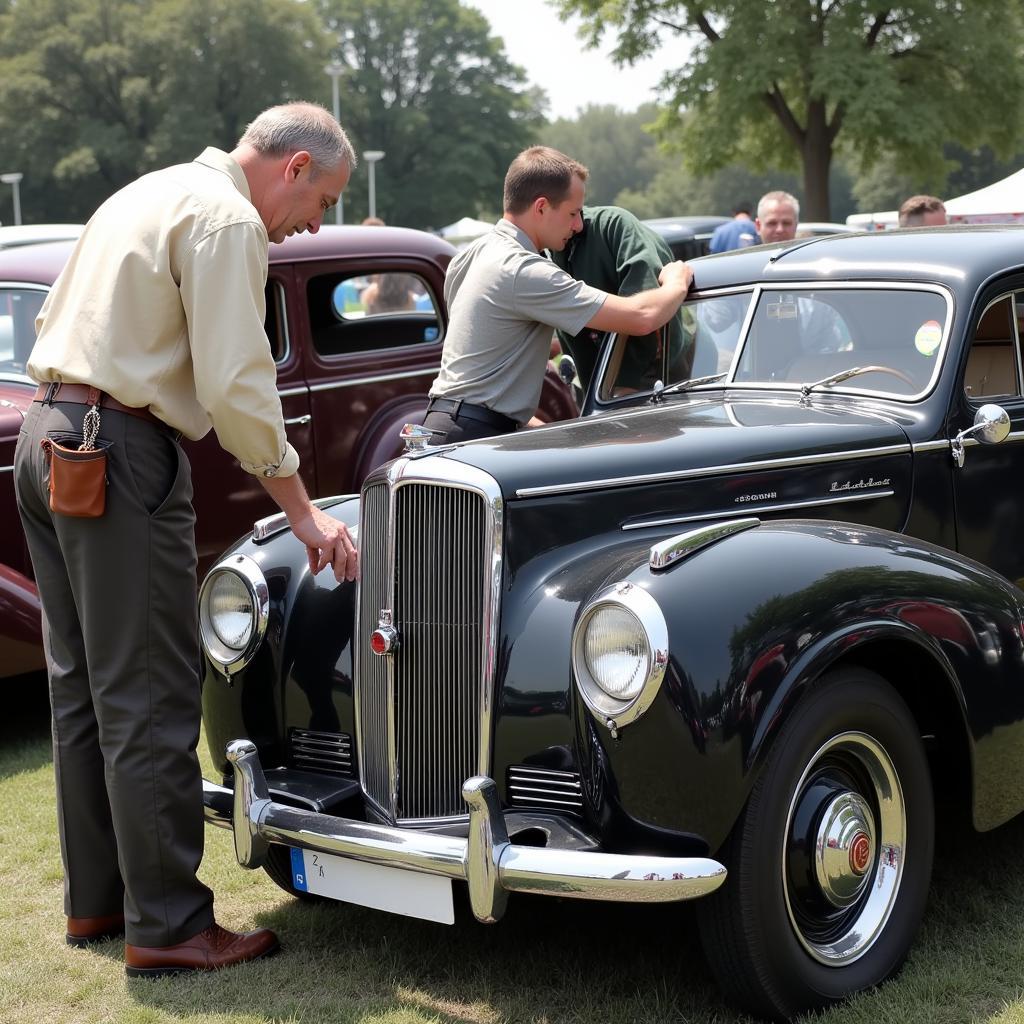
{"x": 548, "y": 961}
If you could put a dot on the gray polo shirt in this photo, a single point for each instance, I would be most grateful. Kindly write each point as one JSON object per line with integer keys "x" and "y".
{"x": 503, "y": 299}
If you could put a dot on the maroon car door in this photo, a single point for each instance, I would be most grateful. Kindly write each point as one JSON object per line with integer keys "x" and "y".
{"x": 375, "y": 330}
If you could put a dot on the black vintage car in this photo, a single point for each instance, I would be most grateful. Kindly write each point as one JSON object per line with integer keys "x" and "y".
{"x": 728, "y": 635}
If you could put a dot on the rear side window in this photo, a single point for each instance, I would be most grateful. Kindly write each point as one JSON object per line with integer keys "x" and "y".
{"x": 367, "y": 312}
{"x": 18, "y": 309}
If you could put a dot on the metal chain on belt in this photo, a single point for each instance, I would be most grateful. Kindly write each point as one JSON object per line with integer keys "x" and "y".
{"x": 90, "y": 428}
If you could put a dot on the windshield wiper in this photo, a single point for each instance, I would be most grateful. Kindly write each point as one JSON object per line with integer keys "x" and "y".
{"x": 836, "y": 378}
{"x": 684, "y": 385}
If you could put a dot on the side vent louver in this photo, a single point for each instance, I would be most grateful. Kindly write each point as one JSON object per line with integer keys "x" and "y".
{"x": 529, "y": 786}
{"x": 329, "y": 752}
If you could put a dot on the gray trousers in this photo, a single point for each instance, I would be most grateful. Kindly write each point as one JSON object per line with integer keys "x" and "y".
{"x": 121, "y": 638}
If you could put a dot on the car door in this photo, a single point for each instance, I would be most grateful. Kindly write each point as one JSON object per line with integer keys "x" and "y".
{"x": 374, "y": 327}
{"x": 989, "y": 487}
{"x": 227, "y": 499}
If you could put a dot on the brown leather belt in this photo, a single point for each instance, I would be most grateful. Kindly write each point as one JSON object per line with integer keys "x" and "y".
{"x": 79, "y": 394}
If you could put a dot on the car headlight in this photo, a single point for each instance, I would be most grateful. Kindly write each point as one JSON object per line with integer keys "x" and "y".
{"x": 233, "y": 608}
{"x": 620, "y": 651}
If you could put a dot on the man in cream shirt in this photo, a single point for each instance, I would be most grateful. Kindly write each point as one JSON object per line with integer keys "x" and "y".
{"x": 161, "y": 310}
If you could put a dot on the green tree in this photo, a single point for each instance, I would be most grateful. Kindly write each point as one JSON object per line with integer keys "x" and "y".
{"x": 788, "y": 82}
{"x": 615, "y": 146}
{"x": 95, "y": 92}
{"x": 425, "y": 82}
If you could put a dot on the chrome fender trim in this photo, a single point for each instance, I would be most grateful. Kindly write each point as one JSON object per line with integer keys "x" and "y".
{"x": 490, "y": 864}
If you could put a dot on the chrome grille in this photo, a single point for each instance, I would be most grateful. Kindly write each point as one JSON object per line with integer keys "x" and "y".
{"x": 373, "y": 671}
{"x": 431, "y": 556}
{"x": 321, "y": 751}
{"x": 544, "y": 787}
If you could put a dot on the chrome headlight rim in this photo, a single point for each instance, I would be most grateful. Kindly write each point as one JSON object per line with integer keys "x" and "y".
{"x": 636, "y": 601}
{"x": 229, "y": 660}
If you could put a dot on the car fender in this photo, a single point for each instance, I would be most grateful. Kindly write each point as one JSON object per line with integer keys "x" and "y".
{"x": 754, "y": 619}
{"x": 21, "y": 637}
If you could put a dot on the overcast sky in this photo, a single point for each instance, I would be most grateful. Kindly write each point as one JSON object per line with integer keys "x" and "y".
{"x": 553, "y": 55}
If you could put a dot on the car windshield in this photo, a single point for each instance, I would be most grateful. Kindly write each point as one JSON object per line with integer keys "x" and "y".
{"x": 892, "y": 338}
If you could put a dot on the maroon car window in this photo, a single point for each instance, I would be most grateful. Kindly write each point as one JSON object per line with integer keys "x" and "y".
{"x": 18, "y": 309}
{"x": 275, "y": 323}
{"x": 365, "y": 312}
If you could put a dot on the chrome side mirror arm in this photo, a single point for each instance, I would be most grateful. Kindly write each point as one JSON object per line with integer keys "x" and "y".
{"x": 991, "y": 425}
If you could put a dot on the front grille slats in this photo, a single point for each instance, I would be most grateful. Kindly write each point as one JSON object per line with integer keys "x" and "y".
{"x": 426, "y": 550}
{"x": 529, "y": 786}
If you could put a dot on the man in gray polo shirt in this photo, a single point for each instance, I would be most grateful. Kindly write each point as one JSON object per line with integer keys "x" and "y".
{"x": 504, "y": 298}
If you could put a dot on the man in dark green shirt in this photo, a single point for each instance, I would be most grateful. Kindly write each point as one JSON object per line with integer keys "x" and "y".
{"x": 616, "y": 253}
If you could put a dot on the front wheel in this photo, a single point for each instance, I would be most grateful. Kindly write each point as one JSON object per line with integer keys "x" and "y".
{"x": 830, "y": 861}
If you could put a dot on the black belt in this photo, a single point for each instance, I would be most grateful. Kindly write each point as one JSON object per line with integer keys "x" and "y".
{"x": 459, "y": 409}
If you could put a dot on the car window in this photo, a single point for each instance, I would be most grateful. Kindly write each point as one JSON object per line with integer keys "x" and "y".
{"x": 702, "y": 343}
{"x": 276, "y": 323}
{"x": 363, "y": 312}
{"x": 18, "y": 309}
{"x": 992, "y": 361}
{"x": 801, "y": 336}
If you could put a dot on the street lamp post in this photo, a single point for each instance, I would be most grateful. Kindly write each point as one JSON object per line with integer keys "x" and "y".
{"x": 13, "y": 179}
{"x": 335, "y": 70}
{"x": 371, "y": 156}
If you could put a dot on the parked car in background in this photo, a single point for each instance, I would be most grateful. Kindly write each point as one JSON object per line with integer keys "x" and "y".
{"x": 15, "y": 235}
{"x": 725, "y": 637}
{"x": 350, "y": 373}
{"x": 687, "y": 237}
{"x": 816, "y": 228}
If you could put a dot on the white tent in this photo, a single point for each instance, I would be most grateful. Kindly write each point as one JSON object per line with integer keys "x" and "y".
{"x": 465, "y": 229}
{"x": 999, "y": 203}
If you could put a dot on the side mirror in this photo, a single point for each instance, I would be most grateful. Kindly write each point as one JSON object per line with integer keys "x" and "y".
{"x": 991, "y": 426}
{"x": 567, "y": 369}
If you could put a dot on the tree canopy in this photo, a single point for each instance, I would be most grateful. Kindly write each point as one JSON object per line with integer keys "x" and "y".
{"x": 425, "y": 82}
{"x": 792, "y": 82}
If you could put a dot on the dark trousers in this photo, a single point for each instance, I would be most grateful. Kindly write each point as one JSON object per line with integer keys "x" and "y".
{"x": 449, "y": 429}
{"x": 121, "y": 638}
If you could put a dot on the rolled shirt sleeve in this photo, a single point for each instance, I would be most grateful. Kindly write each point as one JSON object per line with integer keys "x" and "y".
{"x": 222, "y": 291}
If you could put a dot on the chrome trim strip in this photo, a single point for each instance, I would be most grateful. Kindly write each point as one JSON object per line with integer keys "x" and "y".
{"x": 673, "y": 550}
{"x": 781, "y": 507}
{"x": 332, "y": 385}
{"x": 269, "y": 526}
{"x": 1012, "y": 438}
{"x": 6, "y": 469}
{"x": 930, "y": 446}
{"x": 702, "y": 471}
{"x": 10, "y": 377}
{"x": 487, "y": 860}
{"x": 288, "y": 392}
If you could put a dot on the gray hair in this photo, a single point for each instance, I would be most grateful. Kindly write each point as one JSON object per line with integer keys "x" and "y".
{"x": 290, "y": 127}
{"x": 777, "y": 197}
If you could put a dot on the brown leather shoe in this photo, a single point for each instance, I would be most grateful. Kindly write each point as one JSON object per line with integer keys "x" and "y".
{"x": 211, "y": 949}
{"x": 83, "y": 931}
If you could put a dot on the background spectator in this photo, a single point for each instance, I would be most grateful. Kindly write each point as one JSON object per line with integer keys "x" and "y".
{"x": 738, "y": 233}
{"x": 922, "y": 211}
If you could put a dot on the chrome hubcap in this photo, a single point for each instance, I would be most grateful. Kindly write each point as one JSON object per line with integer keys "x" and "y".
{"x": 844, "y": 849}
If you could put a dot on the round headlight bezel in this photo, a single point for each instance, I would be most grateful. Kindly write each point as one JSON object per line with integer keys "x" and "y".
{"x": 644, "y": 609}
{"x": 226, "y": 659}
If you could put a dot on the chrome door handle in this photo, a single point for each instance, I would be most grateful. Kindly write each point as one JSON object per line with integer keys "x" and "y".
{"x": 298, "y": 421}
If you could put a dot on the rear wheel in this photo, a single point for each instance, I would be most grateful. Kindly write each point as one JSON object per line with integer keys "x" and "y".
{"x": 830, "y": 861}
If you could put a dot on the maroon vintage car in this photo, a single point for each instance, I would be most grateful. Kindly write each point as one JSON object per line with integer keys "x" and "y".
{"x": 355, "y": 318}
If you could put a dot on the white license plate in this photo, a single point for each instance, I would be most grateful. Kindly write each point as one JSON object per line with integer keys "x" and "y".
{"x": 372, "y": 885}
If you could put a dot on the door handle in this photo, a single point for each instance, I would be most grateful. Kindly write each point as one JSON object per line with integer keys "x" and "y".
{"x": 298, "y": 421}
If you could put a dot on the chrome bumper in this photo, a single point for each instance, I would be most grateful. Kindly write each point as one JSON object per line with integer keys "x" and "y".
{"x": 487, "y": 861}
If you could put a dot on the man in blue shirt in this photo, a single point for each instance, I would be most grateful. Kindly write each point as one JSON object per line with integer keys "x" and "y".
{"x": 737, "y": 233}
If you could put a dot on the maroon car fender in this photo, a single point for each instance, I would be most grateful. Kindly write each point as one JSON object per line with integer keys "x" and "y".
{"x": 21, "y": 635}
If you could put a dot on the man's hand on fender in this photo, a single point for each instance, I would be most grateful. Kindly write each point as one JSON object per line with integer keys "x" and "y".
{"x": 327, "y": 543}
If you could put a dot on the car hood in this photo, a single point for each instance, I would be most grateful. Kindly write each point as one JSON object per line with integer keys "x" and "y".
{"x": 686, "y": 439}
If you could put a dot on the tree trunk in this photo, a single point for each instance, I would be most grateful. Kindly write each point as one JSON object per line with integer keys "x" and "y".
{"x": 817, "y": 161}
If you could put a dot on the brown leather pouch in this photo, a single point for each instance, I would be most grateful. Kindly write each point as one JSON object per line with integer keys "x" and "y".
{"x": 78, "y": 479}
